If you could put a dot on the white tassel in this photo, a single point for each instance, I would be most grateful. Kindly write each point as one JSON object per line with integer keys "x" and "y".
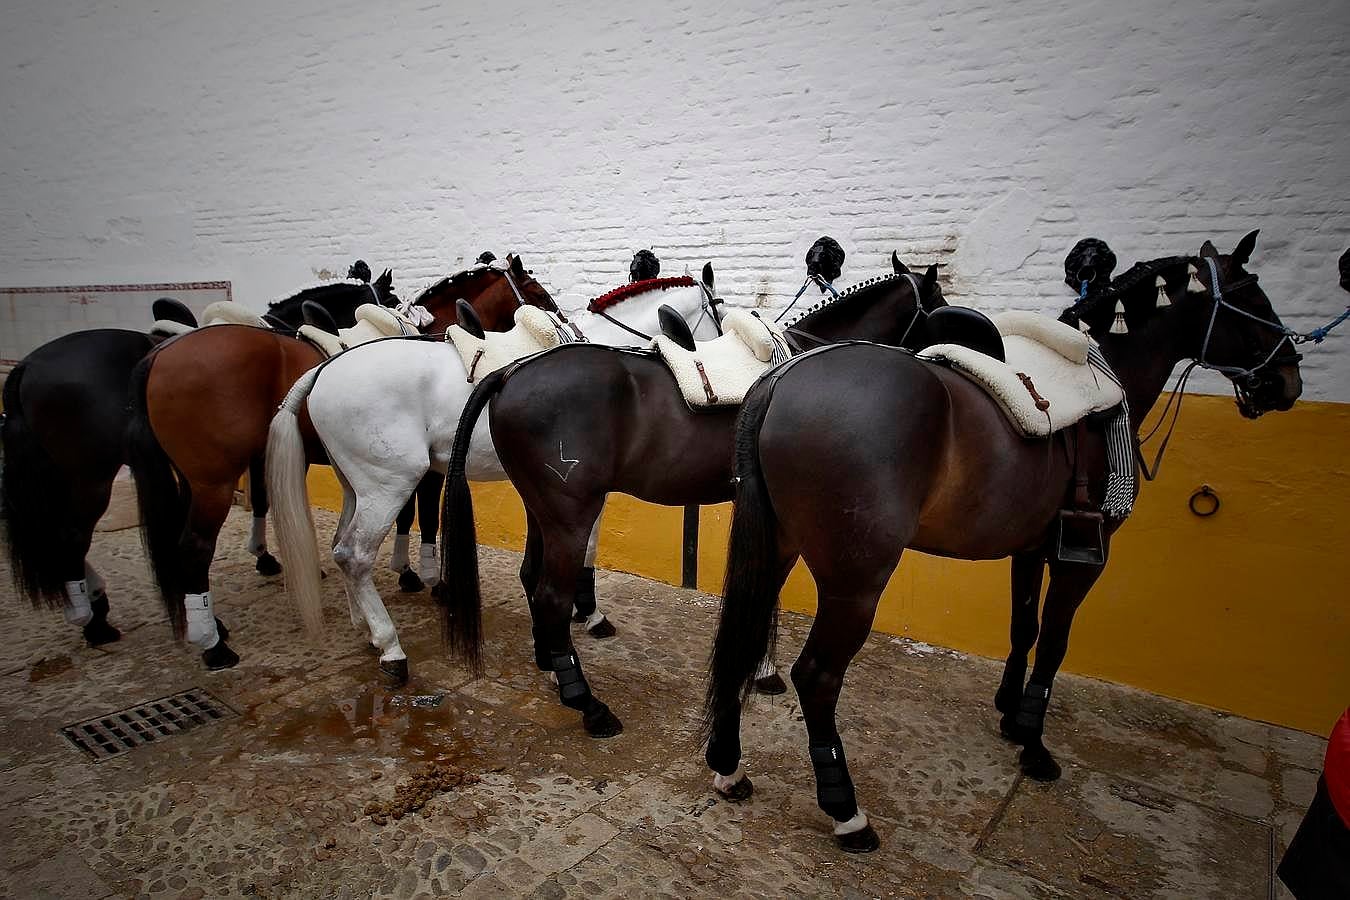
{"x": 1084, "y": 327}
{"x": 1194, "y": 286}
{"x": 1163, "y": 299}
{"x": 1119, "y": 326}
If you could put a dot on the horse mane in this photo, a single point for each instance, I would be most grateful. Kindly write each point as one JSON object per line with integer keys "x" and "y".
{"x": 1125, "y": 287}
{"x": 624, "y": 292}
{"x": 291, "y": 303}
{"x": 442, "y": 284}
{"x": 830, "y": 301}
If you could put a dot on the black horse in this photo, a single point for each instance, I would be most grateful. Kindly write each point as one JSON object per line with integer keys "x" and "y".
{"x": 63, "y": 432}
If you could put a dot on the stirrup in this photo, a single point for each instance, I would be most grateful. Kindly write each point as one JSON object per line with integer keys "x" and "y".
{"x": 1080, "y": 537}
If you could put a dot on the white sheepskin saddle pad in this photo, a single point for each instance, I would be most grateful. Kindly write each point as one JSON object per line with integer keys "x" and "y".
{"x": 720, "y": 371}
{"x": 372, "y": 323}
{"x": 535, "y": 330}
{"x": 1052, "y": 357}
{"x": 227, "y": 312}
{"x": 170, "y": 328}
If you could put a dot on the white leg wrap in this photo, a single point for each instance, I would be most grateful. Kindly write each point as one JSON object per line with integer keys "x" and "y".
{"x": 724, "y": 783}
{"x": 857, "y": 823}
{"x": 398, "y": 560}
{"x": 594, "y": 619}
{"x": 257, "y": 536}
{"x": 593, "y": 542}
{"x": 201, "y": 620}
{"x": 766, "y": 668}
{"x": 78, "y": 611}
{"x": 428, "y": 568}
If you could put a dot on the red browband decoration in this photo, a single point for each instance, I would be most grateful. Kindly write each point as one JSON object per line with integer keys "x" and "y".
{"x": 620, "y": 294}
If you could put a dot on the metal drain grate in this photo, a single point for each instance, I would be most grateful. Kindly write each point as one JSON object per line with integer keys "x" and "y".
{"x": 112, "y": 735}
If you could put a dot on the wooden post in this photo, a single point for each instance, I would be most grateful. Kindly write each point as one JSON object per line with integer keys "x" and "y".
{"x": 689, "y": 576}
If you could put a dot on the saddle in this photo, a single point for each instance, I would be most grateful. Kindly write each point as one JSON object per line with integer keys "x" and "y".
{"x": 171, "y": 317}
{"x": 484, "y": 352}
{"x": 372, "y": 323}
{"x": 227, "y": 312}
{"x": 1045, "y": 382}
{"x": 720, "y": 371}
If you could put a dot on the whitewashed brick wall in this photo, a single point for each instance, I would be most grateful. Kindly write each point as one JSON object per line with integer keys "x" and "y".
{"x": 266, "y": 142}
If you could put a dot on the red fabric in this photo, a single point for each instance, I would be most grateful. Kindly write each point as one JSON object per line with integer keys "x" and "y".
{"x": 620, "y": 294}
{"x": 1336, "y": 769}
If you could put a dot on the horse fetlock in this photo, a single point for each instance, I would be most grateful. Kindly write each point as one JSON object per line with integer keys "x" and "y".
{"x": 723, "y": 755}
{"x": 257, "y": 536}
{"x": 398, "y": 560}
{"x": 1031, "y": 711}
{"x": 428, "y": 566}
{"x": 201, "y": 621}
{"x": 584, "y": 599}
{"x": 735, "y": 787}
{"x": 834, "y": 787}
{"x": 573, "y": 690}
{"x": 78, "y": 609}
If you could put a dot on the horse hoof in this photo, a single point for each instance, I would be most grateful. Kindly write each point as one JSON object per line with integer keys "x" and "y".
{"x": 220, "y": 657}
{"x": 222, "y": 630}
{"x": 771, "y": 685}
{"x": 738, "y": 792}
{"x": 864, "y": 840}
{"x": 578, "y": 616}
{"x": 267, "y": 564}
{"x": 602, "y": 629}
{"x": 99, "y": 632}
{"x": 1038, "y": 765}
{"x": 409, "y": 582}
{"x": 396, "y": 670}
{"x": 602, "y": 723}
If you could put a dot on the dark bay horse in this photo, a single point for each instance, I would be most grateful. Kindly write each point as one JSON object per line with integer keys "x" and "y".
{"x": 580, "y": 421}
{"x": 201, "y": 407}
{"x": 65, "y": 417}
{"x": 929, "y": 461}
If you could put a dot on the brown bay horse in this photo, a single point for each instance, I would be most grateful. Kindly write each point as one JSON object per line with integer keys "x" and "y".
{"x": 625, "y": 428}
{"x": 927, "y": 460}
{"x": 201, "y": 407}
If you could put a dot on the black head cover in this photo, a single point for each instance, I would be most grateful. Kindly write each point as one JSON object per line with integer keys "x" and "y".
{"x": 315, "y": 314}
{"x": 675, "y": 327}
{"x": 826, "y": 259}
{"x": 485, "y": 258}
{"x": 1345, "y": 270}
{"x": 644, "y": 265}
{"x": 468, "y": 318}
{"x": 360, "y": 271}
{"x": 1090, "y": 260}
{"x": 167, "y": 308}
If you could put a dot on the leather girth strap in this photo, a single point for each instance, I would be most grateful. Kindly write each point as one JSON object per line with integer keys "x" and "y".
{"x": 1082, "y": 501}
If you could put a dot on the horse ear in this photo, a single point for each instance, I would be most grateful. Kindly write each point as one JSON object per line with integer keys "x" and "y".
{"x": 1243, "y": 251}
{"x": 930, "y": 278}
{"x": 899, "y": 267}
{"x": 708, "y": 275}
{"x": 517, "y": 267}
{"x": 1208, "y": 249}
{"x": 386, "y": 279}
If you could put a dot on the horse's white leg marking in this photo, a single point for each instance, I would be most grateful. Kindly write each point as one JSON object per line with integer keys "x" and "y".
{"x": 428, "y": 567}
{"x": 398, "y": 560}
{"x": 78, "y": 611}
{"x": 724, "y": 783}
{"x": 257, "y": 536}
{"x": 857, "y": 823}
{"x": 766, "y": 668}
{"x": 201, "y": 620}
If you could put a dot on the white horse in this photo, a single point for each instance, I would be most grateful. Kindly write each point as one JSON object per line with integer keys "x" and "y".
{"x": 380, "y": 452}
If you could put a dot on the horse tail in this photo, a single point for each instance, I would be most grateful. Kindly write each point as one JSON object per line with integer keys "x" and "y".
{"x": 462, "y": 615}
{"x": 289, "y": 498}
{"x": 34, "y": 504}
{"x": 162, "y": 494}
{"x": 748, "y": 627}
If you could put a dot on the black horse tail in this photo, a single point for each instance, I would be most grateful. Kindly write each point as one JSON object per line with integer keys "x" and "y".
{"x": 748, "y": 627}
{"x": 34, "y": 505}
{"x": 163, "y": 497}
{"x": 462, "y": 614}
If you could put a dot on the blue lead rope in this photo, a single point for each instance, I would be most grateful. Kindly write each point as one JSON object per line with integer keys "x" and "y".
{"x": 1317, "y": 335}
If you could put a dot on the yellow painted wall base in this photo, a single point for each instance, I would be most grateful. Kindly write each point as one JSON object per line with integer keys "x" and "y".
{"x": 1244, "y": 611}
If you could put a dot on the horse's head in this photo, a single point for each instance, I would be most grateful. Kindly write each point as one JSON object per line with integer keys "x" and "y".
{"x": 888, "y": 310}
{"x": 1231, "y": 326}
{"x": 494, "y": 291}
{"x": 384, "y": 287}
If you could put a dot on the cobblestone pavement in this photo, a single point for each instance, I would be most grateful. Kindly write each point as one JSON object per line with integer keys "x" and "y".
{"x": 1158, "y": 799}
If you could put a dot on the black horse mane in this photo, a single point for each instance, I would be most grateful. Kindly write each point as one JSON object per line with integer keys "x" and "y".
{"x": 845, "y": 294}
{"x": 1099, "y": 304}
{"x": 320, "y": 292}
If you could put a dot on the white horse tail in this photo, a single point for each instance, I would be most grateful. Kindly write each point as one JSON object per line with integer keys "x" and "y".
{"x": 289, "y": 497}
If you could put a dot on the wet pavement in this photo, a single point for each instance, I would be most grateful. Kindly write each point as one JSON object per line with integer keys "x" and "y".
{"x": 320, "y": 781}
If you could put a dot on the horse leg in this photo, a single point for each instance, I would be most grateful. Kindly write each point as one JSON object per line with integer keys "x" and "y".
{"x": 408, "y": 580}
{"x": 257, "y": 536}
{"x": 86, "y": 591}
{"x": 1028, "y": 570}
{"x": 210, "y": 505}
{"x": 584, "y": 604}
{"x": 564, "y": 545}
{"x": 532, "y": 560}
{"x": 842, "y": 622}
{"x": 429, "y": 512}
{"x": 1069, "y": 584}
{"x": 345, "y": 520}
{"x": 355, "y": 554}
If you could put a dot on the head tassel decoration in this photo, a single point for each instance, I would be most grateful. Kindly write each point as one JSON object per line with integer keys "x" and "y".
{"x": 1084, "y": 327}
{"x": 1194, "y": 285}
{"x": 1118, "y": 325}
{"x": 1163, "y": 300}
